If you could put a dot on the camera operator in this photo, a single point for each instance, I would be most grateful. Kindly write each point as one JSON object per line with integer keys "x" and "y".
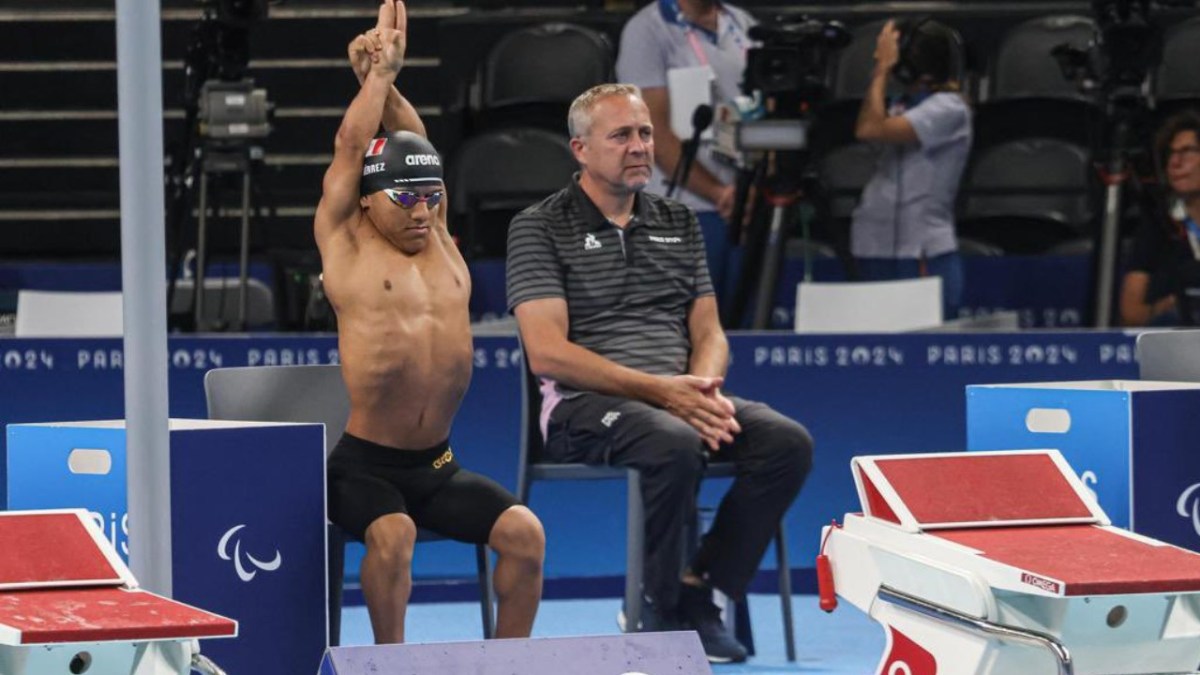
{"x": 675, "y": 34}
{"x": 903, "y": 226}
{"x": 1165, "y": 261}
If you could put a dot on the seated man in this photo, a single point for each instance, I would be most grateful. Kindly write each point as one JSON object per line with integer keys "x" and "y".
{"x": 617, "y": 315}
{"x": 400, "y": 290}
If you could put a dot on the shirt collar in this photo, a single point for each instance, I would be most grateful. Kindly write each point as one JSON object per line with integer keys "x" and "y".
{"x": 673, "y": 15}
{"x": 594, "y": 219}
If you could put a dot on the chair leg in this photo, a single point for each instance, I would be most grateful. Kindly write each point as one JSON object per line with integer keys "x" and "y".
{"x": 785, "y": 591}
{"x": 635, "y": 548}
{"x": 487, "y": 592}
{"x": 336, "y": 543}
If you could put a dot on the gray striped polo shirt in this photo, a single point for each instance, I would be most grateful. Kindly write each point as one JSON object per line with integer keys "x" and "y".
{"x": 628, "y": 292}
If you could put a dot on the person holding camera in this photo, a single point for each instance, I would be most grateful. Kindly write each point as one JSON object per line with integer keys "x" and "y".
{"x": 1165, "y": 261}
{"x": 903, "y": 226}
{"x": 669, "y": 35}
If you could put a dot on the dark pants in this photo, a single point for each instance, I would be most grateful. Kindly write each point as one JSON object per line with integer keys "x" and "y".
{"x": 773, "y": 455}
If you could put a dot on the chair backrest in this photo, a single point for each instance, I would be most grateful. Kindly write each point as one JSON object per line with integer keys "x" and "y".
{"x": 500, "y": 172}
{"x": 845, "y": 171}
{"x": 1177, "y": 76}
{"x": 1023, "y": 67}
{"x": 1029, "y": 195}
{"x": 63, "y": 314}
{"x": 968, "y": 246}
{"x": 280, "y": 394}
{"x": 548, "y": 63}
{"x": 531, "y": 429}
{"x": 222, "y": 296}
{"x": 798, "y": 248}
{"x": 869, "y": 307}
{"x": 1035, "y": 178}
{"x": 1171, "y": 355}
{"x": 1079, "y": 246}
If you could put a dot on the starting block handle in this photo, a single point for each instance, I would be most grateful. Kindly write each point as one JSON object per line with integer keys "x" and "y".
{"x": 938, "y": 612}
{"x": 203, "y": 664}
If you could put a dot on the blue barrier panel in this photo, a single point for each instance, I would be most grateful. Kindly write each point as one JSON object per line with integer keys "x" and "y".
{"x": 247, "y": 523}
{"x": 857, "y": 394}
{"x": 1046, "y": 291}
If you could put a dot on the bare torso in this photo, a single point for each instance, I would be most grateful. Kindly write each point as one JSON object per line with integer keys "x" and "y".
{"x": 404, "y": 333}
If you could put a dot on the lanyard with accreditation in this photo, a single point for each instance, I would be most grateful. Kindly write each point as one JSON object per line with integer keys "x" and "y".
{"x": 673, "y": 14}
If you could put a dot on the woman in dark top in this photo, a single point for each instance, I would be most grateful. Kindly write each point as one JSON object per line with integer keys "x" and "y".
{"x": 1165, "y": 260}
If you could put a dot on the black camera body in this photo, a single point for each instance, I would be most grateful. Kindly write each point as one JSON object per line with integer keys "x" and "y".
{"x": 785, "y": 79}
{"x": 237, "y": 13}
{"x": 1128, "y": 42}
{"x": 1126, "y": 47}
{"x": 217, "y": 87}
{"x": 794, "y": 57}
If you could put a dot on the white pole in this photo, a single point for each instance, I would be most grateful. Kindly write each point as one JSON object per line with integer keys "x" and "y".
{"x": 143, "y": 282}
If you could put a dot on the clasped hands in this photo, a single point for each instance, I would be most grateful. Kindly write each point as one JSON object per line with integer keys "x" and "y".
{"x": 699, "y": 402}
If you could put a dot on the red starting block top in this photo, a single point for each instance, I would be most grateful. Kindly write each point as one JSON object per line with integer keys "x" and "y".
{"x": 975, "y": 489}
{"x": 1087, "y": 559}
{"x": 101, "y": 615}
{"x": 55, "y": 548}
{"x": 61, "y": 581}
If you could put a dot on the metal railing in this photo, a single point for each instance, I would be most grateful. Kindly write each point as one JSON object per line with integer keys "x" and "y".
{"x": 924, "y": 608}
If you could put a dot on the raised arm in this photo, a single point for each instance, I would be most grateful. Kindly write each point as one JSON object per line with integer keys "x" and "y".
{"x": 398, "y": 113}
{"x": 339, "y": 196}
{"x": 873, "y": 121}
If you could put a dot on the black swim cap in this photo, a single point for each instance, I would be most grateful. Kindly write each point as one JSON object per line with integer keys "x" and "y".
{"x": 400, "y": 159}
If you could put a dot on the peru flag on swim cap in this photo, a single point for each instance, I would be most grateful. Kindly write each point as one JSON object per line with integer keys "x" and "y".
{"x": 376, "y": 147}
{"x": 400, "y": 159}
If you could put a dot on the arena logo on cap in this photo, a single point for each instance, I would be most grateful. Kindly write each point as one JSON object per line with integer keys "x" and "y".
{"x": 423, "y": 160}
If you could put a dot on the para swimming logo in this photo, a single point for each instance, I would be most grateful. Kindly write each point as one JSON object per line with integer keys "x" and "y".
{"x": 1188, "y": 506}
{"x": 243, "y": 573}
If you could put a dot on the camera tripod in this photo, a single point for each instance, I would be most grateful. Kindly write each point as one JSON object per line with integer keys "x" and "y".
{"x": 211, "y": 164}
{"x": 792, "y": 189}
{"x": 1116, "y": 171}
{"x": 224, "y": 115}
{"x": 238, "y": 161}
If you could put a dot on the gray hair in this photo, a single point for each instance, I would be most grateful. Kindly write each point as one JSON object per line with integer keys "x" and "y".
{"x": 579, "y": 118}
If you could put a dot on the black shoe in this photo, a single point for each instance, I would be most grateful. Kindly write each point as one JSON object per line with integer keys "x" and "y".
{"x": 652, "y": 621}
{"x": 697, "y": 611}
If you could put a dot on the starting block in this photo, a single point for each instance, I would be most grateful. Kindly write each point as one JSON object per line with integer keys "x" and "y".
{"x": 70, "y": 606}
{"x": 1002, "y": 563}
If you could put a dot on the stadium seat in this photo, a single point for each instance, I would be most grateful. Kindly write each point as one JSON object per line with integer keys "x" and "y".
{"x": 497, "y": 174}
{"x": 1027, "y": 195}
